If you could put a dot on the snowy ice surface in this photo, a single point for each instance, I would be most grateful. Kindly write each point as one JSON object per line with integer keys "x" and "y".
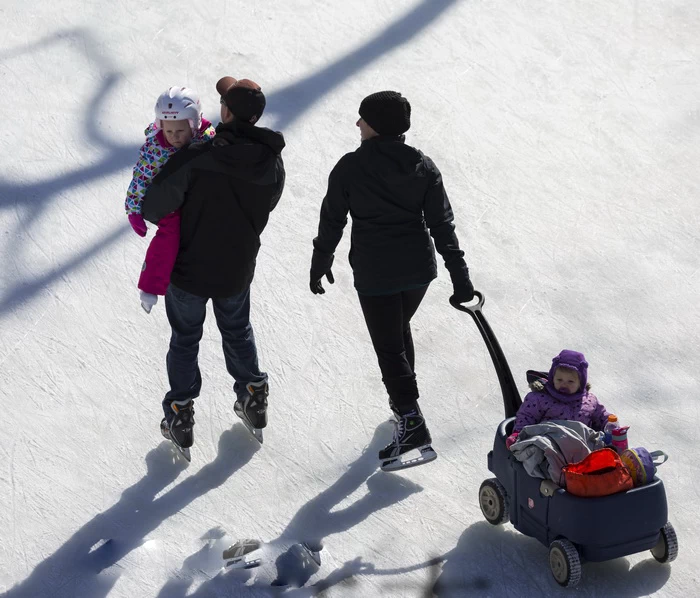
{"x": 568, "y": 135}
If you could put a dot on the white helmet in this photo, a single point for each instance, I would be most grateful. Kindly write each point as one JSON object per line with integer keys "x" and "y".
{"x": 179, "y": 103}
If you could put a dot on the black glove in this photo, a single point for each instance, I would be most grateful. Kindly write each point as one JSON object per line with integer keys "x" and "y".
{"x": 315, "y": 284}
{"x": 463, "y": 291}
{"x": 320, "y": 266}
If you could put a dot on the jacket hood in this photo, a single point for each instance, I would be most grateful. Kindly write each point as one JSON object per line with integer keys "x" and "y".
{"x": 247, "y": 151}
{"x": 392, "y": 158}
{"x": 572, "y": 360}
{"x": 241, "y": 132}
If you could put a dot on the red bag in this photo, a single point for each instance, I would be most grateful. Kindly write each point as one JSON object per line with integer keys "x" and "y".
{"x": 599, "y": 474}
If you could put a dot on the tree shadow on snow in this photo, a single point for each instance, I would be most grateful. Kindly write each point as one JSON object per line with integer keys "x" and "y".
{"x": 30, "y": 200}
{"x": 314, "y": 522}
{"x": 291, "y": 102}
{"x": 87, "y": 565}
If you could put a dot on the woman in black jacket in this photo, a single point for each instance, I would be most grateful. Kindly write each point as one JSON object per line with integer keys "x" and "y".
{"x": 397, "y": 201}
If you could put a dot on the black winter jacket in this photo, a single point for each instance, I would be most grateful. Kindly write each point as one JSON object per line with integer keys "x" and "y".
{"x": 225, "y": 189}
{"x": 395, "y": 196}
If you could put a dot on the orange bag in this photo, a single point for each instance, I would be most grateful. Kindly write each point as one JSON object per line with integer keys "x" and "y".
{"x": 599, "y": 474}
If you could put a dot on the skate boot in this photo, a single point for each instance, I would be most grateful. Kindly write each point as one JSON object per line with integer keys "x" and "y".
{"x": 410, "y": 434}
{"x": 396, "y": 412}
{"x": 252, "y": 409}
{"x": 179, "y": 428}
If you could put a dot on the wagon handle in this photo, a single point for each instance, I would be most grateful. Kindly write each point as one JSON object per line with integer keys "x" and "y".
{"x": 511, "y": 396}
{"x": 469, "y": 308}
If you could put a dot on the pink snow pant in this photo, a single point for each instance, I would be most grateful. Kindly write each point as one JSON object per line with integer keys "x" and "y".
{"x": 160, "y": 256}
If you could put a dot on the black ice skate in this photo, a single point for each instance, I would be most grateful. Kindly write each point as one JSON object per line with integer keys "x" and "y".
{"x": 250, "y": 553}
{"x": 296, "y": 566}
{"x": 179, "y": 429}
{"x": 244, "y": 554}
{"x": 410, "y": 434}
{"x": 252, "y": 409}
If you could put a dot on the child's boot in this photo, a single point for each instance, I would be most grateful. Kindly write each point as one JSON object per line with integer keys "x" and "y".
{"x": 148, "y": 300}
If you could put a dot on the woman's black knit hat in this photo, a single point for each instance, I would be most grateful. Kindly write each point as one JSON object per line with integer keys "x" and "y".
{"x": 387, "y": 112}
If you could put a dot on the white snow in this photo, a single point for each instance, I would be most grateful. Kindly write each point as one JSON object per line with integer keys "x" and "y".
{"x": 568, "y": 135}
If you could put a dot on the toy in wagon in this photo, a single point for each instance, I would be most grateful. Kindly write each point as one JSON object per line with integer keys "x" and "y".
{"x": 563, "y": 470}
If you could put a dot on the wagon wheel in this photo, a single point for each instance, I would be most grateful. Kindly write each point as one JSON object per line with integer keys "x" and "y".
{"x": 666, "y": 549}
{"x": 493, "y": 501}
{"x": 565, "y": 563}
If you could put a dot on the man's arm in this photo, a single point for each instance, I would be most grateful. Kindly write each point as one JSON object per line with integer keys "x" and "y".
{"x": 167, "y": 191}
{"x": 281, "y": 177}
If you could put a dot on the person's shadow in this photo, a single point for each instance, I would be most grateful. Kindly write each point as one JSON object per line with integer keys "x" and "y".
{"x": 316, "y": 519}
{"x": 488, "y": 561}
{"x": 79, "y": 567}
{"x": 313, "y": 523}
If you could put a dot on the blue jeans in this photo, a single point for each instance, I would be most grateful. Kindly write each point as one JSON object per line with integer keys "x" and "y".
{"x": 186, "y": 313}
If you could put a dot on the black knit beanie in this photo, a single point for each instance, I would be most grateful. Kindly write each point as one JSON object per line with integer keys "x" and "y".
{"x": 243, "y": 97}
{"x": 387, "y": 112}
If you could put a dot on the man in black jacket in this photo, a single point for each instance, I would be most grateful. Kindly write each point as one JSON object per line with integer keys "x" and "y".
{"x": 397, "y": 201}
{"x": 225, "y": 190}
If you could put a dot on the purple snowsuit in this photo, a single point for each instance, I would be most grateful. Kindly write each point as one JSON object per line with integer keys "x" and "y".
{"x": 582, "y": 406}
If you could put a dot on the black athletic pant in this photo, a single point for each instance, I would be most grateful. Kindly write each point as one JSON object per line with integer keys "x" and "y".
{"x": 388, "y": 319}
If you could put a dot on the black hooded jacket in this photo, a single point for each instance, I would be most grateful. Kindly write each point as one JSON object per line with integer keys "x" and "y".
{"x": 397, "y": 201}
{"x": 225, "y": 189}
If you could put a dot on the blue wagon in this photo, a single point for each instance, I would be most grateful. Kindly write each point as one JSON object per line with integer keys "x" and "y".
{"x": 574, "y": 528}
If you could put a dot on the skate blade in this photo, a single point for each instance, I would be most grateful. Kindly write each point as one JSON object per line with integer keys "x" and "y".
{"x": 244, "y": 563}
{"x": 185, "y": 452}
{"x": 256, "y": 432}
{"x": 314, "y": 554}
{"x": 427, "y": 454}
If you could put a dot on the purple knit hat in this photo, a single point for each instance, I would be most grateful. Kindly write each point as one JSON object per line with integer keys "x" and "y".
{"x": 572, "y": 360}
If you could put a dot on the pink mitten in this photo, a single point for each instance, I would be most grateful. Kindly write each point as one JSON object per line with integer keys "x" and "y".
{"x": 511, "y": 439}
{"x": 138, "y": 224}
